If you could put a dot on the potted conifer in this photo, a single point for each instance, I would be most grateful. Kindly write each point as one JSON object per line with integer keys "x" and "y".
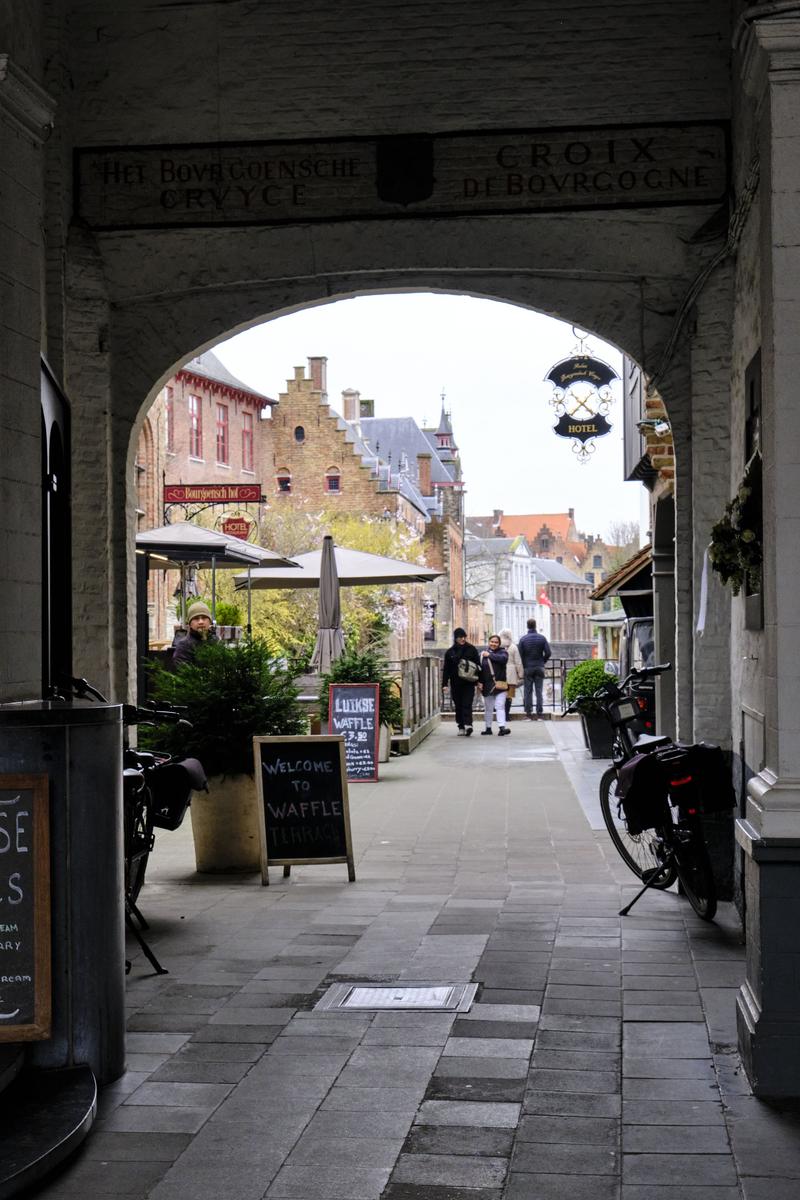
{"x": 232, "y": 694}
{"x": 583, "y": 681}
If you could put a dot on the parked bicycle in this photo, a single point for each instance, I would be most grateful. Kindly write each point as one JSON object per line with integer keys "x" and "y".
{"x": 156, "y": 792}
{"x": 654, "y": 796}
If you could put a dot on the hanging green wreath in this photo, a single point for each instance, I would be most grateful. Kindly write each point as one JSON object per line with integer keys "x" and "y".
{"x": 736, "y": 550}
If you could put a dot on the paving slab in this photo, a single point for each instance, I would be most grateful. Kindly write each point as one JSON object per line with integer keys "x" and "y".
{"x": 236, "y": 1086}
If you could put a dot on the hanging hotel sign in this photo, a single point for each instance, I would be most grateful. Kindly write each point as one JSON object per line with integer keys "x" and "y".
{"x": 581, "y": 398}
{"x": 238, "y": 527}
{"x": 212, "y": 493}
{"x": 339, "y": 179}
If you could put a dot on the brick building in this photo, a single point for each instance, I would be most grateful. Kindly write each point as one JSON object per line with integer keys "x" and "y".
{"x": 429, "y": 457}
{"x": 316, "y": 459}
{"x": 571, "y": 609}
{"x": 205, "y": 426}
{"x": 549, "y": 535}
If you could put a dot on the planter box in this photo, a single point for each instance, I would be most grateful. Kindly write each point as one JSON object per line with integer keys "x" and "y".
{"x": 598, "y": 735}
{"x": 225, "y": 825}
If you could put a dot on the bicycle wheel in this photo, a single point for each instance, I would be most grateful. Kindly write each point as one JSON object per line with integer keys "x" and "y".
{"x": 639, "y": 851}
{"x": 138, "y": 839}
{"x": 696, "y": 877}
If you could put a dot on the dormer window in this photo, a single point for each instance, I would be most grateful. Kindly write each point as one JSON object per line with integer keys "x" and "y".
{"x": 283, "y": 478}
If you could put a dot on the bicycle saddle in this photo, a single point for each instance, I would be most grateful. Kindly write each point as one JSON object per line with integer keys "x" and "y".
{"x": 651, "y": 741}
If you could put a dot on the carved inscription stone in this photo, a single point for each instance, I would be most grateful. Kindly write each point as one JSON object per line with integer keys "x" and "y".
{"x": 263, "y": 183}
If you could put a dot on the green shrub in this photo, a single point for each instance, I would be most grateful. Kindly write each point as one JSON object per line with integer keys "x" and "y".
{"x": 229, "y": 614}
{"x": 584, "y": 679}
{"x": 232, "y": 694}
{"x": 365, "y": 666}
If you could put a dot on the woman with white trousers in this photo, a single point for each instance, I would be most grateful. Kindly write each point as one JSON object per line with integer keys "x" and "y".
{"x": 493, "y": 672}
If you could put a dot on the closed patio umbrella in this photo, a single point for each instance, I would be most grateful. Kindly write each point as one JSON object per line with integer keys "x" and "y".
{"x": 330, "y": 638}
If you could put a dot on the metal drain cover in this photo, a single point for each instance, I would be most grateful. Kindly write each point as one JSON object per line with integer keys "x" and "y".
{"x": 436, "y": 997}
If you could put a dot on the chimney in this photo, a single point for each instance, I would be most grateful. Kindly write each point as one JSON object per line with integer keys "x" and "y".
{"x": 351, "y": 407}
{"x": 497, "y": 521}
{"x": 571, "y": 512}
{"x": 318, "y": 372}
{"x": 424, "y": 469}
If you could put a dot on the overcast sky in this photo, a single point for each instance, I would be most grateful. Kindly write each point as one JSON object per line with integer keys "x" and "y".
{"x": 490, "y": 359}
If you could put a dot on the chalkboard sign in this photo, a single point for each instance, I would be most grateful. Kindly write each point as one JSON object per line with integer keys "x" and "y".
{"x": 24, "y": 908}
{"x": 303, "y": 809}
{"x": 353, "y": 715}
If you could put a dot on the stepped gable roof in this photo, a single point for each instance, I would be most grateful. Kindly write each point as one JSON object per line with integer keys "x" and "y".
{"x": 530, "y": 524}
{"x": 208, "y": 366}
{"x": 387, "y": 473}
{"x": 556, "y": 572}
{"x": 392, "y": 437}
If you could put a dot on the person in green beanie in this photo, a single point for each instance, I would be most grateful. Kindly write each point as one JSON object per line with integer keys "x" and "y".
{"x": 200, "y": 630}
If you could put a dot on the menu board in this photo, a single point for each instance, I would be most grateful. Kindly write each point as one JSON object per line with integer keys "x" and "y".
{"x": 303, "y": 810}
{"x": 24, "y": 908}
{"x": 353, "y": 715}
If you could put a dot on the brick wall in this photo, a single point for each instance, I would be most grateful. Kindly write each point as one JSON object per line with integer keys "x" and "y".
{"x": 22, "y": 113}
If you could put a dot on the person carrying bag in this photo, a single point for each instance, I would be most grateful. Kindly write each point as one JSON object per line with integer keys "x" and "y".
{"x": 461, "y": 673}
{"x": 494, "y": 686}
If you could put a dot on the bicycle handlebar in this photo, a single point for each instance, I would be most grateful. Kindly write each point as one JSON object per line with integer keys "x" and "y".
{"x": 612, "y": 687}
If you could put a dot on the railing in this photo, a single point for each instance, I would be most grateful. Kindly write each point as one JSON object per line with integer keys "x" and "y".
{"x": 419, "y": 681}
{"x": 555, "y": 674}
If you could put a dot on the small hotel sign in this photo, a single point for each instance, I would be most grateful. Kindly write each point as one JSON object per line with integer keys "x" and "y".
{"x": 266, "y": 183}
{"x": 212, "y": 493}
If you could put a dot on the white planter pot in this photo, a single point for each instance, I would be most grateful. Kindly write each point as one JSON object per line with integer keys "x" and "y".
{"x": 384, "y": 742}
{"x": 225, "y": 825}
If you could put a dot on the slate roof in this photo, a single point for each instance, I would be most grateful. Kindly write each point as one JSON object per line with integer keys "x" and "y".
{"x": 392, "y": 437}
{"x": 556, "y": 572}
{"x": 208, "y": 366}
{"x": 491, "y": 546}
{"x": 388, "y": 473}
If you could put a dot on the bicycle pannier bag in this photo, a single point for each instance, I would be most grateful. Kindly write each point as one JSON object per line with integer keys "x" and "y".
{"x": 171, "y": 787}
{"x": 468, "y": 671}
{"x": 705, "y": 768}
{"x": 643, "y": 793}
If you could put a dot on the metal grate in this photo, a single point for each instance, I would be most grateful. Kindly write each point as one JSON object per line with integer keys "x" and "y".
{"x": 427, "y": 997}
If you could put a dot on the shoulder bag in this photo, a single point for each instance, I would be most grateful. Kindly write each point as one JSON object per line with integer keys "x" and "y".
{"x": 468, "y": 671}
{"x": 500, "y": 685}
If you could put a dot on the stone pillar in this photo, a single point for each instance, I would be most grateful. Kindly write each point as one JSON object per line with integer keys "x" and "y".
{"x": 25, "y": 116}
{"x": 768, "y": 1012}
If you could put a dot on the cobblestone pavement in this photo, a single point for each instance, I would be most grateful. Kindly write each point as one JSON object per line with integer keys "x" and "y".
{"x": 598, "y": 1061}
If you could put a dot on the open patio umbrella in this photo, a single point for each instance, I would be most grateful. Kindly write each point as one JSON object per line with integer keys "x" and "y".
{"x": 356, "y": 568}
{"x": 330, "y": 637}
{"x": 171, "y": 547}
{"x": 174, "y": 547}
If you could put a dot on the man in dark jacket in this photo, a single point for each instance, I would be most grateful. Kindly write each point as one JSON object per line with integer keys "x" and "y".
{"x": 534, "y": 650}
{"x": 456, "y": 677}
{"x": 200, "y": 632}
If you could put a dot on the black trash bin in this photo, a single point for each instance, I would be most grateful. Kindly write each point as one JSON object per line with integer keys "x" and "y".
{"x": 78, "y": 746}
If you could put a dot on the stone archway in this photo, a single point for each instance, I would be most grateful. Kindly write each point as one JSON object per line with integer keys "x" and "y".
{"x": 157, "y": 297}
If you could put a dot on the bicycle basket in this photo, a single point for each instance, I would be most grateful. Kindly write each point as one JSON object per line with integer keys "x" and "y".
{"x": 643, "y": 794}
